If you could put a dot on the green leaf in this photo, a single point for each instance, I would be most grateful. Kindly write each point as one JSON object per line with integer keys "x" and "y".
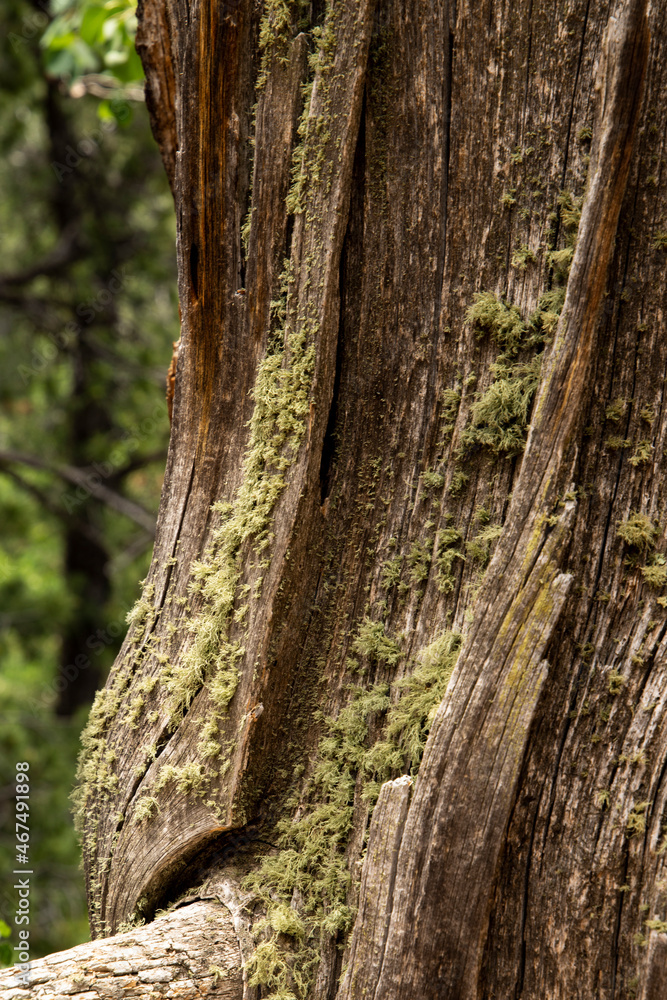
{"x": 91, "y": 24}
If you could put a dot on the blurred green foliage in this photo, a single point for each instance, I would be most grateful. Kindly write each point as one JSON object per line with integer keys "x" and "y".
{"x": 91, "y": 37}
{"x": 88, "y": 313}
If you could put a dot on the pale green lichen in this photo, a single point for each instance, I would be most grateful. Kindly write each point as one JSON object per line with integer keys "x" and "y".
{"x": 655, "y": 572}
{"x": 643, "y": 453}
{"x": 639, "y": 531}
{"x": 499, "y": 416}
{"x": 372, "y": 641}
{"x": 447, "y": 552}
{"x": 311, "y": 865}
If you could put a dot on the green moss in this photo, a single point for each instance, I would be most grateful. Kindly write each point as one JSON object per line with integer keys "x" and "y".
{"x": 655, "y": 573}
{"x": 268, "y": 967}
{"x": 432, "y": 480}
{"x": 479, "y": 547}
{"x": 499, "y": 416}
{"x": 136, "y": 708}
{"x": 409, "y": 720}
{"x": 656, "y": 925}
{"x": 561, "y": 260}
{"x": 146, "y": 807}
{"x": 187, "y": 778}
{"x": 419, "y": 561}
{"x": 275, "y": 34}
{"x": 643, "y": 454}
{"x": 142, "y": 614}
{"x": 617, "y": 443}
{"x": 372, "y": 641}
{"x": 489, "y": 314}
{"x": 508, "y": 199}
{"x": 523, "y": 256}
{"x": 277, "y": 426}
{"x": 660, "y": 240}
{"x": 285, "y": 920}
{"x": 638, "y": 531}
{"x": 311, "y": 864}
{"x": 447, "y": 552}
{"x": 459, "y": 479}
{"x": 218, "y": 973}
{"x": 570, "y": 212}
{"x": 451, "y": 399}
{"x": 616, "y": 410}
{"x": 636, "y": 822}
{"x": 391, "y": 572}
{"x": 616, "y": 682}
{"x": 602, "y": 799}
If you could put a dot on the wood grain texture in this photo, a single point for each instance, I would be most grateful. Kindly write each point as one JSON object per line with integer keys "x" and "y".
{"x": 468, "y": 778}
{"x": 375, "y": 894}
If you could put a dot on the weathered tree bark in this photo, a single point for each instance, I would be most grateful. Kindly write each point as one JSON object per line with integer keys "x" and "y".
{"x": 430, "y": 217}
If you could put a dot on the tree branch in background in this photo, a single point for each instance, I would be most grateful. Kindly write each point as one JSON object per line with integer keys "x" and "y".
{"x": 67, "y": 249}
{"x": 88, "y": 481}
{"x": 41, "y": 497}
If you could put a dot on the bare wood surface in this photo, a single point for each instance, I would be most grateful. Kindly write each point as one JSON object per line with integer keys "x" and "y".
{"x": 375, "y": 895}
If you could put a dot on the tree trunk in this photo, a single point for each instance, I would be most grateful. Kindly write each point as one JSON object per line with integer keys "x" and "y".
{"x": 418, "y": 415}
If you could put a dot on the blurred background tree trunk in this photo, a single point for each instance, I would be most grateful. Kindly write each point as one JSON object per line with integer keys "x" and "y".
{"x": 414, "y": 487}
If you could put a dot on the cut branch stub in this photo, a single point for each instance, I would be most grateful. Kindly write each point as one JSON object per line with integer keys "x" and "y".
{"x": 190, "y": 953}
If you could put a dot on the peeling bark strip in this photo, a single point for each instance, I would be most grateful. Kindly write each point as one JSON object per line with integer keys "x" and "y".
{"x": 154, "y": 47}
{"x": 377, "y": 885}
{"x": 190, "y": 953}
{"x": 467, "y": 781}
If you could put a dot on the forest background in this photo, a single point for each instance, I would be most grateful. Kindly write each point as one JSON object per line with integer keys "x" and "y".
{"x": 88, "y": 313}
